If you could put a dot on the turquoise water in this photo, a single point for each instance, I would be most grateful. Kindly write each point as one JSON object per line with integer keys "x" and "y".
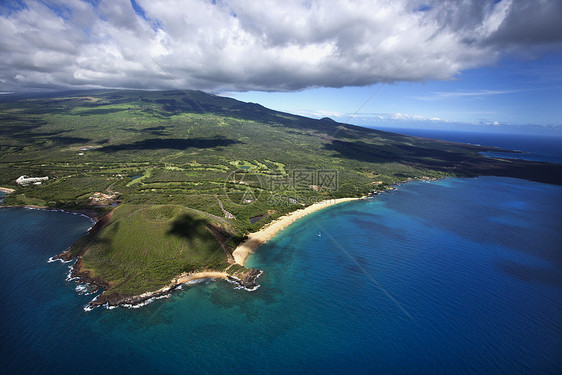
{"x": 452, "y": 276}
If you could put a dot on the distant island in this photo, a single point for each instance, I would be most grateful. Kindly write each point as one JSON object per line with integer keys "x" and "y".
{"x": 181, "y": 182}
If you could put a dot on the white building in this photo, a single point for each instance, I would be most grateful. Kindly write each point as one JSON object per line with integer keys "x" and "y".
{"x": 24, "y": 180}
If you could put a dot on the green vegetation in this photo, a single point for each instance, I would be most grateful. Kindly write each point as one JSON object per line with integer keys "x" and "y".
{"x": 199, "y": 158}
{"x": 143, "y": 247}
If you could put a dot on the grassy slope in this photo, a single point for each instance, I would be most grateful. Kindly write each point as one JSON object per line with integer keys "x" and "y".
{"x": 143, "y": 247}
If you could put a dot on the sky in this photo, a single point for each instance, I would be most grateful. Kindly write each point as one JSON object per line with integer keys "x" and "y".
{"x": 485, "y": 64}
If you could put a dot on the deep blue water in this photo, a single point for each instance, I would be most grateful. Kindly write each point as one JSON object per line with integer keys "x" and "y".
{"x": 452, "y": 276}
{"x": 536, "y": 147}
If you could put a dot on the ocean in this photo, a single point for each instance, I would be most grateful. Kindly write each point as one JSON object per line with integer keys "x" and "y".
{"x": 537, "y": 147}
{"x": 440, "y": 277}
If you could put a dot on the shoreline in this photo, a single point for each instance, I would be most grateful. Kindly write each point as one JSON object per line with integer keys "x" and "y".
{"x": 256, "y": 239}
{"x": 134, "y": 301}
{"x": 242, "y": 279}
{"x": 189, "y": 277}
{"x": 245, "y": 281}
{"x": 90, "y": 214}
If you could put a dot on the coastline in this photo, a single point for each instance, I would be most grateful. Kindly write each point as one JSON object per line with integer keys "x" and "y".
{"x": 243, "y": 281}
{"x": 90, "y": 214}
{"x": 269, "y": 231}
{"x": 6, "y": 190}
{"x": 189, "y": 277}
{"x": 147, "y": 297}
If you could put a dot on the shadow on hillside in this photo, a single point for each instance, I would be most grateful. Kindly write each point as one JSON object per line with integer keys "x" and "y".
{"x": 454, "y": 160}
{"x": 187, "y": 227}
{"x": 362, "y": 151}
{"x": 171, "y": 143}
{"x": 99, "y": 111}
{"x": 21, "y": 130}
{"x": 93, "y": 236}
{"x": 191, "y": 228}
{"x": 30, "y": 134}
{"x": 359, "y": 151}
{"x": 54, "y": 137}
{"x": 69, "y": 140}
{"x": 155, "y": 130}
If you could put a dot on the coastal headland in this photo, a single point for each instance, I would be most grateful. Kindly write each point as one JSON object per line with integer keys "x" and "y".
{"x": 84, "y": 270}
{"x": 138, "y": 252}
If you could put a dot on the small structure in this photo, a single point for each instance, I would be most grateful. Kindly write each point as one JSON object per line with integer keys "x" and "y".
{"x": 24, "y": 180}
{"x": 102, "y": 199}
{"x": 227, "y": 214}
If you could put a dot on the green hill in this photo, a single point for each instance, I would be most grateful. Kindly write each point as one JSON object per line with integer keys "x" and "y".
{"x": 141, "y": 248}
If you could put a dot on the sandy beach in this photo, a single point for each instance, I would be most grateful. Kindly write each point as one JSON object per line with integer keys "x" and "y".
{"x": 6, "y": 190}
{"x": 141, "y": 299}
{"x": 185, "y": 278}
{"x": 270, "y": 230}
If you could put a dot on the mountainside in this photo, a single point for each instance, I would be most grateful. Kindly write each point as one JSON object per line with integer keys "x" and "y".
{"x": 180, "y": 147}
{"x": 234, "y": 165}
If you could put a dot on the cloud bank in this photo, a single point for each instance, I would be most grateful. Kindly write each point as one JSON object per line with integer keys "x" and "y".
{"x": 237, "y": 45}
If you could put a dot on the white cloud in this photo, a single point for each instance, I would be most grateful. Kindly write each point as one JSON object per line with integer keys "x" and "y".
{"x": 439, "y": 95}
{"x": 260, "y": 45}
{"x": 373, "y": 117}
{"x": 321, "y": 114}
{"x": 405, "y": 116}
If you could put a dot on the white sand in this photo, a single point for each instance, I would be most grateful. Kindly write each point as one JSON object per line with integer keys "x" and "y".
{"x": 184, "y": 278}
{"x": 270, "y": 230}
